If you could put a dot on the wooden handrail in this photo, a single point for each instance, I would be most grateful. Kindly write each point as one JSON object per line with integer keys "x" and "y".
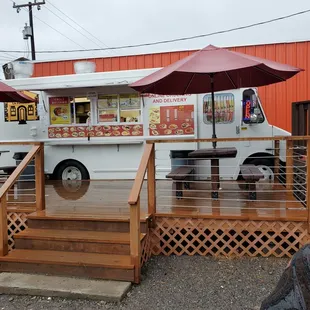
{"x": 282, "y": 138}
{"x": 3, "y": 197}
{"x": 137, "y": 185}
{"x": 19, "y": 143}
{"x": 18, "y": 171}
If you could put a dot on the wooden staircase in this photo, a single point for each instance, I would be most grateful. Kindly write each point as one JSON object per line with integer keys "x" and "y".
{"x": 65, "y": 244}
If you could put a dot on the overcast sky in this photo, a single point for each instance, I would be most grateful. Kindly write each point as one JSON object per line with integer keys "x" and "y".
{"x": 126, "y": 22}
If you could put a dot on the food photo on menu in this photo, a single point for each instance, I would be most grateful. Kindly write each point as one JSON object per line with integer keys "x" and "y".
{"x": 171, "y": 120}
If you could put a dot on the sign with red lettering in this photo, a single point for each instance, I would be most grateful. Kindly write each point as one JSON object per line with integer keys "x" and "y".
{"x": 247, "y": 110}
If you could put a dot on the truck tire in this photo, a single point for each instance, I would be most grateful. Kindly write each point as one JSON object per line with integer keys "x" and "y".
{"x": 265, "y": 166}
{"x": 71, "y": 170}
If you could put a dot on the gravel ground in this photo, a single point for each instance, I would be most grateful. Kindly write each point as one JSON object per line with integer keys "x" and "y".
{"x": 182, "y": 283}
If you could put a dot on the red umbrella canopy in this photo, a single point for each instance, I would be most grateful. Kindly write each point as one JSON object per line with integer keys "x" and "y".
{"x": 230, "y": 70}
{"x": 9, "y": 94}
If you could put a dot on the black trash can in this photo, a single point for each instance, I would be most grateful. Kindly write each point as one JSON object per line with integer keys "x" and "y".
{"x": 29, "y": 173}
{"x": 180, "y": 158}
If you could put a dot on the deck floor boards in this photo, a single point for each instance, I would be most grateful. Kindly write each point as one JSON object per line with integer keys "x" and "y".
{"x": 108, "y": 199}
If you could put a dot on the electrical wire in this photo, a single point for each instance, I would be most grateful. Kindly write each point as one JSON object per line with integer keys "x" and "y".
{"x": 167, "y": 41}
{"x": 42, "y": 21}
{"x": 88, "y": 32}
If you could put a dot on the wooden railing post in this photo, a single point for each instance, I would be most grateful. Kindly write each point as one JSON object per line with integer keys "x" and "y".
{"x": 276, "y": 159}
{"x": 308, "y": 183}
{"x": 289, "y": 165}
{"x": 151, "y": 182}
{"x": 135, "y": 244}
{"x": 4, "y": 247}
{"x": 40, "y": 179}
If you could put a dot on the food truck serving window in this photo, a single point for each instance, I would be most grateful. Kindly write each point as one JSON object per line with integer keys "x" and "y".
{"x": 66, "y": 110}
{"x": 251, "y": 109}
{"x": 224, "y": 108}
{"x": 125, "y": 108}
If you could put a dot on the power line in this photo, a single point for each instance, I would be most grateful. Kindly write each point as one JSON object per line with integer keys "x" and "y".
{"x": 96, "y": 38}
{"x": 169, "y": 41}
{"x": 72, "y": 26}
{"x": 84, "y": 49}
{"x": 7, "y": 54}
{"x": 53, "y": 29}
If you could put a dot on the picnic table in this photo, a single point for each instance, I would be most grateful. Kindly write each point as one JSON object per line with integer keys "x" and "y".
{"x": 214, "y": 154}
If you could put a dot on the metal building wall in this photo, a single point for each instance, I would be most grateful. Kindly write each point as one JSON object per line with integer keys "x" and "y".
{"x": 277, "y": 99}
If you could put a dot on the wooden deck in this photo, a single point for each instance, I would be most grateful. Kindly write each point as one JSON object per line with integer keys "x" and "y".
{"x": 109, "y": 199}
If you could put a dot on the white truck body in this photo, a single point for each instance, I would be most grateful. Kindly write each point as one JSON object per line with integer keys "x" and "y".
{"x": 118, "y": 157}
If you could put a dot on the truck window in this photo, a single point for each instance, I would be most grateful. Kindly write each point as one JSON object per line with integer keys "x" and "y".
{"x": 125, "y": 108}
{"x": 251, "y": 112}
{"x": 224, "y": 108}
{"x": 80, "y": 106}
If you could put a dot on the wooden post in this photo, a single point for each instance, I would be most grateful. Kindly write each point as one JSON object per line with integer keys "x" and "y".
{"x": 135, "y": 244}
{"x": 3, "y": 227}
{"x": 289, "y": 165}
{"x": 40, "y": 179}
{"x": 276, "y": 159}
{"x": 308, "y": 183}
{"x": 151, "y": 183}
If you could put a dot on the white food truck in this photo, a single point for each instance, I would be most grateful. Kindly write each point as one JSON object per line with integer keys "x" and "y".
{"x": 94, "y": 125}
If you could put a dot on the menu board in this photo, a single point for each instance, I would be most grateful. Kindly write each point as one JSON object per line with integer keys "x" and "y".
{"x": 171, "y": 120}
{"x": 60, "y": 110}
{"x": 95, "y": 131}
{"x": 224, "y": 108}
{"x": 107, "y": 101}
{"x": 128, "y": 102}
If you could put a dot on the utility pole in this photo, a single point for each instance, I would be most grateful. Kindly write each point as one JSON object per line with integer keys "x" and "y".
{"x": 30, "y": 5}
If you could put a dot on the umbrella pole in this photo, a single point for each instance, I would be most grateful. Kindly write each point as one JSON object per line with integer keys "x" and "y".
{"x": 213, "y": 110}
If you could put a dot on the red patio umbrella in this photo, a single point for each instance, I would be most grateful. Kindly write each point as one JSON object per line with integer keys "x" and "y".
{"x": 214, "y": 69}
{"x": 9, "y": 94}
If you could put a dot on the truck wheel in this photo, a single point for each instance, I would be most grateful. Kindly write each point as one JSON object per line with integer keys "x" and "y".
{"x": 265, "y": 166}
{"x": 71, "y": 170}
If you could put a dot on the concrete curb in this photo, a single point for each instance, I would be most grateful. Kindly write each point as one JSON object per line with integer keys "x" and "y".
{"x": 54, "y": 286}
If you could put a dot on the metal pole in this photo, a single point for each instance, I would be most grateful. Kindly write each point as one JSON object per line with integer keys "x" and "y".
{"x": 33, "y": 49}
{"x": 213, "y": 110}
{"x": 30, "y": 5}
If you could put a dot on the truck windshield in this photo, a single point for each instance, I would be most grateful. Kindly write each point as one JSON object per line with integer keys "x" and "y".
{"x": 251, "y": 112}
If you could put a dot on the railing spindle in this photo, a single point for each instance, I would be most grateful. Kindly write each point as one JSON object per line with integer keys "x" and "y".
{"x": 276, "y": 158}
{"x": 151, "y": 183}
{"x": 289, "y": 164}
{"x": 135, "y": 245}
{"x": 308, "y": 183}
{"x": 40, "y": 179}
{"x": 3, "y": 227}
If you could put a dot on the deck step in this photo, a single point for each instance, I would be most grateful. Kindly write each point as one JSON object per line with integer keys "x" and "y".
{"x": 59, "y": 221}
{"x": 91, "y": 265}
{"x": 74, "y": 241}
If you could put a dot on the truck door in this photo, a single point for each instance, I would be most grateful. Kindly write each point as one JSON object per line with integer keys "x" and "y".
{"x": 255, "y": 124}
{"x": 228, "y": 119}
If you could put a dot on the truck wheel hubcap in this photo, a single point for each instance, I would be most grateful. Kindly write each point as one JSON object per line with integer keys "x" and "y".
{"x": 267, "y": 172}
{"x": 71, "y": 173}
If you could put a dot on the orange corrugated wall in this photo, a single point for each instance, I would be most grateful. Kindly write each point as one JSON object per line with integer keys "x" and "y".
{"x": 276, "y": 99}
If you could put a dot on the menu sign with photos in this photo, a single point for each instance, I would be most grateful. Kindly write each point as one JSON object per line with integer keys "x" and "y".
{"x": 171, "y": 120}
{"x": 60, "y": 110}
{"x": 224, "y": 108}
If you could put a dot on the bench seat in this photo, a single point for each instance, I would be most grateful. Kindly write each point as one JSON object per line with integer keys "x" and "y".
{"x": 251, "y": 174}
{"x": 180, "y": 174}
